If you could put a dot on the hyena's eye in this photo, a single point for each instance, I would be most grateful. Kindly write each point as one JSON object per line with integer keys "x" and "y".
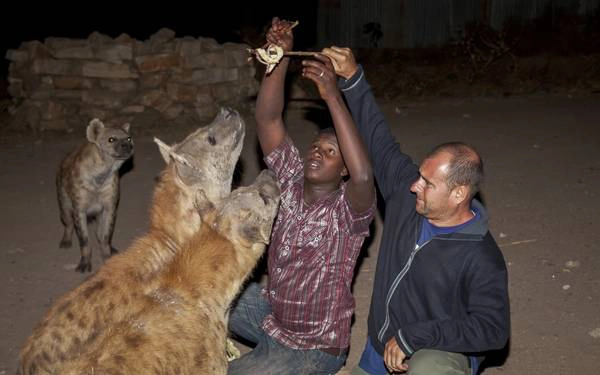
{"x": 264, "y": 197}
{"x": 129, "y": 139}
{"x": 212, "y": 140}
{"x": 111, "y": 139}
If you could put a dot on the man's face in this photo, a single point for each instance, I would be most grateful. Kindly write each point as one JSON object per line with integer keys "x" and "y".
{"x": 433, "y": 195}
{"x": 324, "y": 162}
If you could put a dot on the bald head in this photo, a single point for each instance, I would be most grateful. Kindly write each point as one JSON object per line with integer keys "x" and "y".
{"x": 465, "y": 166}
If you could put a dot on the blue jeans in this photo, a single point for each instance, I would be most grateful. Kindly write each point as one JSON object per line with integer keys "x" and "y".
{"x": 269, "y": 356}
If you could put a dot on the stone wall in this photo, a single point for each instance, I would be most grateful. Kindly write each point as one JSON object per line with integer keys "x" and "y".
{"x": 62, "y": 84}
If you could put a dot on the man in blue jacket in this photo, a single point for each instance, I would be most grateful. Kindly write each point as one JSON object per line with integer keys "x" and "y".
{"x": 440, "y": 294}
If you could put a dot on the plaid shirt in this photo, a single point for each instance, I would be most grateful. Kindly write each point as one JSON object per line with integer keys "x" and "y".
{"x": 311, "y": 260}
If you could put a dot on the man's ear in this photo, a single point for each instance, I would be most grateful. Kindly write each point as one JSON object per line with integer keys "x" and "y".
{"x": 459, "y": 194}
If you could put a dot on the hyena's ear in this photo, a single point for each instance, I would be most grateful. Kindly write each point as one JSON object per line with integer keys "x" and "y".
{"x": 205, "y": 207}
{"x": 257, "y": 231}
{"x": 93, "y": 130}
{"x": 165, "y": 150}
{"x": 125, "y": 127}
{"x": 168, "y": 153}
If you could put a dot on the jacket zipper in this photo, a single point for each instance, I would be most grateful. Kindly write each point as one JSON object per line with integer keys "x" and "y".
{"x": 400, "y": 277}
{"x": 395, "y": 285}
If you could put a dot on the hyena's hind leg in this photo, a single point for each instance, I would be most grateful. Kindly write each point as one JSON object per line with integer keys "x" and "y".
{"x": 81, "y": 228}
{"x": 66, "y": 217}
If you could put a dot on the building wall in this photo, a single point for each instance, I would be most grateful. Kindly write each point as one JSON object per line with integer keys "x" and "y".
{"x": 418, "y": 23}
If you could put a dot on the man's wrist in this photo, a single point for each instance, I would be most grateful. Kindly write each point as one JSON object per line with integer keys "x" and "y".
{"x": 351, "y": 73}
{"x": 347, "y": 84}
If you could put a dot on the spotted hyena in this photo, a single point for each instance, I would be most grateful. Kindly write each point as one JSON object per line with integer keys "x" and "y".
{"x": 87, "y": 184}
{"x": 177, "y": 322}
{"x": 199, "y": 167}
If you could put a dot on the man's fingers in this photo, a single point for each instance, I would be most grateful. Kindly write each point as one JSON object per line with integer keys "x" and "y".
{"x": 345, "y": 51}
{"x": 334, "y": 55}
{"x": 394, "y": 357}
{"x": 336, "y": 66}
{"x": 336, "y": 59}
{"x": 325, "y": 60}
{"x": 322, "y": 63}
{"x": 388, "y": 358}
{"x": 333, "y": 51}
{"x": 313, "y": 69}
{"x": 392, "y": 367}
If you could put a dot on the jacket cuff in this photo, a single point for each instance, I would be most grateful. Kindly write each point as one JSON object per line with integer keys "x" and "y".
{"x": 407, "y": 349}
{"x": 348, "y": 84}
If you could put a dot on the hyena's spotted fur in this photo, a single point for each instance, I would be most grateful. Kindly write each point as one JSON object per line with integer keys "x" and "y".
{"x": 78, "y": 319}
{"x": 177, "y": 323}
{"x": 87, "y": 185}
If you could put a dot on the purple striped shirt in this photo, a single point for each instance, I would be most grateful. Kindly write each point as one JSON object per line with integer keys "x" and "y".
{"x": 311, "y": 260}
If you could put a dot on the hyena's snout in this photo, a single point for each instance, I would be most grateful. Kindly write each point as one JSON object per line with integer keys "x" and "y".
{"x": 123, "y": 148}
{"x": 268, "y": 187}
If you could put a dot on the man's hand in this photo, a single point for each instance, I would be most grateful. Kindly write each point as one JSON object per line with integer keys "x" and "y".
{"x": 394, "y": 357}
{"x": 280, "y": 33}
{"x": 320, "y": 70}
{"x": 343, "y": 61}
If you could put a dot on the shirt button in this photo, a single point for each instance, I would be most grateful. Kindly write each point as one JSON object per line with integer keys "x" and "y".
{"x": 278, "y": 269}
{"x": 299, "y": 217}
{"x": 272, "y": 292}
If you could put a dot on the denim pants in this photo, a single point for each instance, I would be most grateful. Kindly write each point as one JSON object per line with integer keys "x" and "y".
{"x": 269, "y": 356}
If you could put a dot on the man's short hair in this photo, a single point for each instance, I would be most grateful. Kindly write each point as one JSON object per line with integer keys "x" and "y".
{"x": 328, "y": 130}
{"x": 466, "y": 166}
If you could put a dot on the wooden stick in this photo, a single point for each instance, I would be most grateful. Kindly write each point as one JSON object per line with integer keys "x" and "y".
{"x": 299, "y": 53}
{"x": 288, "y": 53}
{"x": 292, "y": 25}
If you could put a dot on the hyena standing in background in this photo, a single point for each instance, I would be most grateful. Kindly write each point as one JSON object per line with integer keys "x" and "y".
{"x": 88, "y": 187}
{"x": 201, "y": 165}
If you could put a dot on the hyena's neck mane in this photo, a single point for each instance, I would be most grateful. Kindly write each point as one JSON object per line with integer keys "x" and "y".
{"x": 174, "y": 213}
{"x": 173, "y": 221}
{"x": 209, "y": 269}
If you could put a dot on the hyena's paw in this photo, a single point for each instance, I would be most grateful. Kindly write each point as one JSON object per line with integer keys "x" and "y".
{"x": 65, "y": 244}
{"x": 85, "y": 265}
{"x": 113, "y": 251}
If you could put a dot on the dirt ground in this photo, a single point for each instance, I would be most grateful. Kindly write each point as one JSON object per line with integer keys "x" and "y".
{"x": 542, "y": 160}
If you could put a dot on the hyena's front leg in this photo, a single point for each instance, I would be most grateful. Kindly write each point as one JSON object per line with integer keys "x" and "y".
{"x": 106, "y": 226}
{"x": 66, "y": 216}
{"x": 81, "y": 228}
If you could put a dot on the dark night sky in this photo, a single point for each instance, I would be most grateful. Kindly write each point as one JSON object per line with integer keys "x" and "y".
{"x": 37, "y": 21}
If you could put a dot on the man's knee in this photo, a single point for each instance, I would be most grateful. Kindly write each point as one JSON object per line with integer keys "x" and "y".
{"x": 357, "y": 370}
{"x": 247, "y": 313}
{"x": 435, "y": 362}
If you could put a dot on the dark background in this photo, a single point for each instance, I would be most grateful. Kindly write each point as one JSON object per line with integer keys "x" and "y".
{"x": 222, "y": 20}
{"x": 225, "y": 21}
